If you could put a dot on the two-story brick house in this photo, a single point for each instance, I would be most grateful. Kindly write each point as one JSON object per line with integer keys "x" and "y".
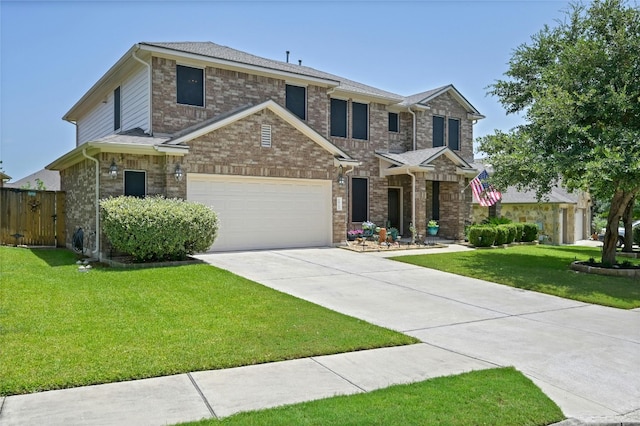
{"x": 287, "y": 155}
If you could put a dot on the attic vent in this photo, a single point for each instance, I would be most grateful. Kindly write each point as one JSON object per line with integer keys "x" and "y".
{"x": 265, "y": 136}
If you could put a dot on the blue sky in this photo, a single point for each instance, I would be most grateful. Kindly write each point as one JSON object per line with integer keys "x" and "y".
{"x": 52, "y": 52}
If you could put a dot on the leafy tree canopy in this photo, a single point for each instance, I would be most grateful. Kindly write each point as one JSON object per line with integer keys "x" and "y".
{"x": 578, "y": 87}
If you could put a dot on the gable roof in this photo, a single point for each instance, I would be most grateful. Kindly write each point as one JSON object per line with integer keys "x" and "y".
{"x": 422, "y": 160}
{"x": 556, "y": 195}
{"x": 225, "y": 119}
{"x": 49, "y": 178}
{"x": 424, "y": 98}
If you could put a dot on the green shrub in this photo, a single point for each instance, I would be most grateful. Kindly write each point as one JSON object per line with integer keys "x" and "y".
{"x": 519, "y": 231}
{"x": 501, "y": 235}
{"x": 511, "y": 232}
{"x": 158, "y": 228}
{"x": 530, "y": 232}
{"x": 496, "y": 221}
{"x": 482, "y": 235}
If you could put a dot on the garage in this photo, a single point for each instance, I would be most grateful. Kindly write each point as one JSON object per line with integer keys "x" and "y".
{"x": 265, "y": 213}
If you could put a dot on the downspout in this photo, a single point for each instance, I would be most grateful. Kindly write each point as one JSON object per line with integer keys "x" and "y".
{"x": 150, "y": 117}
{"x": 414, "y": 128}
{"x": 97, "y": 250}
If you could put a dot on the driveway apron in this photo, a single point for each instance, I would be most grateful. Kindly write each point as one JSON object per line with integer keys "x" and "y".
{"x": 584, "y": 357}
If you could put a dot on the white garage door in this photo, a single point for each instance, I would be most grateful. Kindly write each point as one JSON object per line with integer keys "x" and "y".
{"x": 262, "y": 213}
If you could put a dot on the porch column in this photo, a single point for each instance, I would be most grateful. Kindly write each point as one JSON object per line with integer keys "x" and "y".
{"x": 421, "y": 204}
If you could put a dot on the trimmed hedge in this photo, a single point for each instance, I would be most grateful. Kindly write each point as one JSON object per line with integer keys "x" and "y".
{"x": 482, "y": 235}
{"x": 488, "y": 235}
{"x": 501, "y": 235}
{"x": 530, "y": 232}
{"x": 519, "y": 231}
{"x": 158, "y": 228}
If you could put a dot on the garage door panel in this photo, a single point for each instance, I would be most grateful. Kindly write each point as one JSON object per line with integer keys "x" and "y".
{"x": 260, "y": 213}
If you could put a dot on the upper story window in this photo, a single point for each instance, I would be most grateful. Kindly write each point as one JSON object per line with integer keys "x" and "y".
{"x": 360, "y": 121}
{"x": 117, "y": 114}
{"x": 394, "y": 122}
{"x": 190, "y": 82}
{"x": 296, "y": 100}
{"x": 453, "y": 137}
{"x": 339, "y": 118}
{"x": 438, "y": 131}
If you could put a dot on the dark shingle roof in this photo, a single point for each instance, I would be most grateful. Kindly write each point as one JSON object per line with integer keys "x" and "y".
{"x": 217, "y": 51}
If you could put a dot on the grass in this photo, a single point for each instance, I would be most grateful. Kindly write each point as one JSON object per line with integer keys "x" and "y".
{"x": 61, "y": 328}
{"x": 544, "y": 269}
{"x": 489, "y": 397}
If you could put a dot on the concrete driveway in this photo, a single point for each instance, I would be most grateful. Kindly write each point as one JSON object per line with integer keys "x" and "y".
{"x": 585, "y": 357}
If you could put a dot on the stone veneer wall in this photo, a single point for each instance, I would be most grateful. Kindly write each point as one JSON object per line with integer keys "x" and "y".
{"x": 547, "y": 215}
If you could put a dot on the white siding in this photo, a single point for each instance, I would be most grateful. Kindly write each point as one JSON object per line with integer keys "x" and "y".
{"x": 134, "y": 93}
{"x": 135, "y": 101}
{"x": 97, "y": 123}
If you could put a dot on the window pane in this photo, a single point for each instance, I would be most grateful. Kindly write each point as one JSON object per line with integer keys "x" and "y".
{"x": 134, "y": 183}
{"x": 359, "y": 200}
{"x": 360, "y": 121}
{"x": 296, "y": 100}
{"x": 454, "y": 134}
{"x": 393, "y": 122}
{"x": 190, "y": 85}
{"x": 116, "y": 109}
{"x": 438, "y": 131}
{"x": 338, "y": 118}
{"x": 435, "y": 204}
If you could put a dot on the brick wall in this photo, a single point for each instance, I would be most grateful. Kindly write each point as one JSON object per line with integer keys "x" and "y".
{"x": 235, "y": 150}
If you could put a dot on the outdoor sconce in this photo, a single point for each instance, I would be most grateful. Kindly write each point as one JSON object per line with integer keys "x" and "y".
{"x": 179, "y": 174}
{"x": 113, "y": 170}
{"x": 340, "y": 176}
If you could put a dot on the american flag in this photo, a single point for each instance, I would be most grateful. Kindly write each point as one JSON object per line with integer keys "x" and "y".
{"x": 484, "y": 193}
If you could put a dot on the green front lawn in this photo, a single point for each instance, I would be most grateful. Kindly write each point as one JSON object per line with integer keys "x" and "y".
{"x": 539, "y": 268}
{"x": 489, "y": 397}
{"x": 61, "y": 328}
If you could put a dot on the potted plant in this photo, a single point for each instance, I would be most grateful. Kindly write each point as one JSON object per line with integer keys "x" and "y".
{"x": 368, "y": 229}
{"x": 393, "y": 233}
{"x": 432, "y": 227}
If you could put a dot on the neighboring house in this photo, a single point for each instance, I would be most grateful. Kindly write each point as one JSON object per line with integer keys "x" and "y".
{"x": 50, "y": 181}
{"x": 562, "y": 217}
{"x": 3, "y": 178}
{"x": 287, "y": 155}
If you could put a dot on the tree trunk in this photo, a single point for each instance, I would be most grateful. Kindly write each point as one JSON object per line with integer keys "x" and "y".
{"x": 618, "y": 205}
{"x": 627, "y": 219}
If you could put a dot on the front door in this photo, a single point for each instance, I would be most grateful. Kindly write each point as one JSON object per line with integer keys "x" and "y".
{"x": 394, "y": 209}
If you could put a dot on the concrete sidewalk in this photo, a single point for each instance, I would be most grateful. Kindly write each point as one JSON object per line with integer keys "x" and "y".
{"x": 584, "y": 357}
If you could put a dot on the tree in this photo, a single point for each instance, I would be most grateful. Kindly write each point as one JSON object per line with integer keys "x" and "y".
{"x": 40, "y": 186}
{"x": 578, "y": 88}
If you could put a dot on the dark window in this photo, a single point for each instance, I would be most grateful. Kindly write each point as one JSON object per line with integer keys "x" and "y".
{"x": 339, "y": 118}
{"x": 135, "y": 183}
{"x": 297, "y": 100}
{"x": 438, "y": 131}
{"x": 190, "y": 85}
{"x": 116, "y": 109}
{"x": 454, "y": 134}
{"x": 435, "y": 205}
{"x": 393, "y": 122}
{"x": 360, "y": 121}
{"x": 359, "y": 200}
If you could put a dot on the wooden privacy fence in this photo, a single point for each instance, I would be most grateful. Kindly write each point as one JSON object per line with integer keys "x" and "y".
{"x": 33, "y": 218}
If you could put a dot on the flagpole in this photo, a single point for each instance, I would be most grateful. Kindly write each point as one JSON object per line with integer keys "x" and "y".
{"x": 469, "y": 184}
